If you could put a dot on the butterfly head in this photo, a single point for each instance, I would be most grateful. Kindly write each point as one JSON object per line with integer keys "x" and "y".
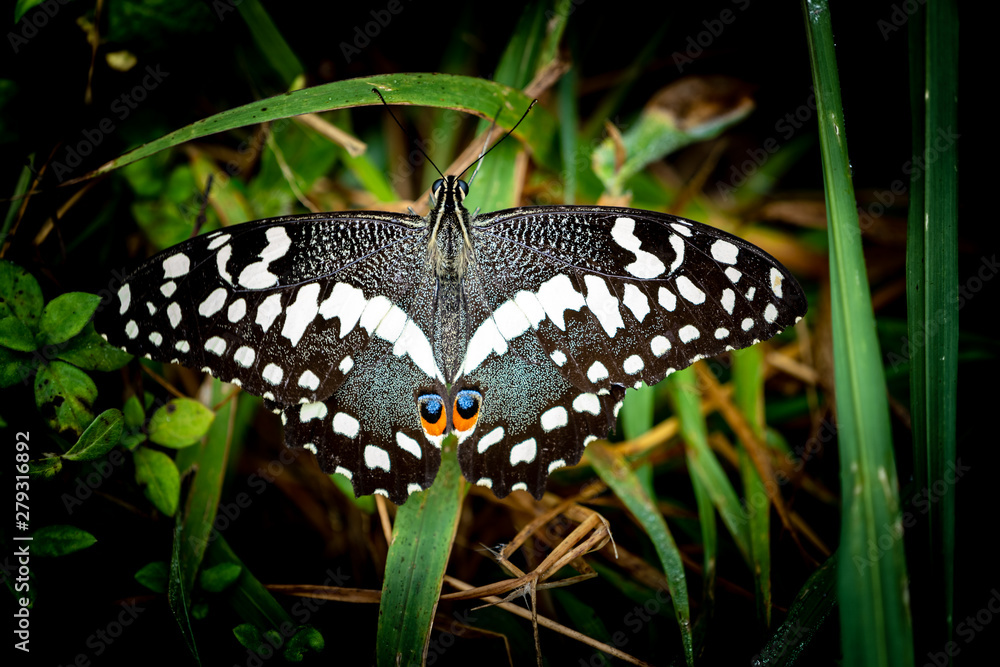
{"x": 448, "y": 244}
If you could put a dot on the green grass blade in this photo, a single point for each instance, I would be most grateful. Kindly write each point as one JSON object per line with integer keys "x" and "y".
{"x": 874, "y": 610}
{"x": 421, "y": 543}
{"x": 748, "y": 383}
{"x": 614, "y": 471}
{"x": 682, "y": 387}
{"x": 932, "y": 280}
{"x": 270, "y": 41}
{"x": 461, "y": 93}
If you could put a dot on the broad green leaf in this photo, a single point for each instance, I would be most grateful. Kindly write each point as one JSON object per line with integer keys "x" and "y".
{"x": 154, "y": 576}
{"x": 89, "y": 351}
{"x": 415, "y": 565}
{"x": 219, "y": 577}
{"x": 616, "y": 473}
{"x": 157, "y": 474}
{"x": 64, "y": 395}
{"x": 876, "y": 627}
{"x": 20, "y": 294}
{"x": 180, "y": 423}
{"x": 15, "y": 367}
{"x": 22, "y": 7}
{"x": 45, "y": 468}
{"x": 102, "y": 434}
{"x": 134, "y": 413}
{"x": 60, "y": 540}
{"x": 462, "y": 93}
{"x": 249, "y": 636}
{"x": 16, "y": 335}
{"x": 65, "y": 316}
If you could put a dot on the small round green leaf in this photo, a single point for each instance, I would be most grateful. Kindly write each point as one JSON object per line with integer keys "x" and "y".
{"x": 180, "y": 423}
{"x": 157, "y": 473}
{"x": 102, "y": 434}
{"x": 219, "y": 577}
{"x": 306, "y": 639}
{"x": 64, "y": 395}
{"x": 154, "y": 576}
{"x": 60, "y": 540}
{"x": 248, "y": 635}
{"x": 16, "y": 335}
{"x": 135, "y": 415}
{"x": 20, "y": 294}
{"x": 66, "y": 315}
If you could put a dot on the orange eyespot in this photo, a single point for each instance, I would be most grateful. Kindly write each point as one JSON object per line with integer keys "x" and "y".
{"x": 466, "y": 409}
{"x": 432, "y": 414}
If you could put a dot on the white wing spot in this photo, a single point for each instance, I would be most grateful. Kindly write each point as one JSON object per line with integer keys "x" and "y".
{"x": 688, "y": 333}
{"x": 770, "y": 313}
{"x": 559, "y": 357}
{"x": 633, "y": 364}
{"x": 215, "y": 345}
{"x": 728, "y": 300}
{"x": 308, "y": 380}
{"x": 689, "y": 290}
{"x": 587, "y": 403}
{"x": 408, "y": 444}
{"x": 245, "y": 356}
{"x": 168, "y": 288}
{"x": 125, "y": 296}
{"x": 151, "y": 308}
{"x": 221, "y": 259}
{"x": 646, "y": 264}
{"x": 733, "y": 274}
{"x": 750, "y": 293}
{"x": 681, "y": 229}
{"x": 490, "y": 439}
{"x": 659, "y": 346}
{"x": 519, "y": 486}
{"x": 345, "y": 302}
{"x": 603, "y": 305}
{"x": 176, "y": 266}
{"x": 257, "y": 275}
{"x": 523, "y": 452}
{"x": 268, "y": 311}
{"x": 346, "y": 364}
{"x": 677, "y": 243}
{"x": 376, "y": 457}
{"x": 214, "y": 303}
{"x": 557, "y": 296}
{"x": 131, "y": 329}
{"x": 273, "y": 373}
{"x": 341, "y": 470}
{"x": 554, "y": 418}
{"x": 345, "y": 424}
{"x": 485, "y": 481}
{"x": 597, "y": 372}
{"x": 747, "y": 324}
{"x": 555, "y": 465}
{"x": 667, "y": 299}
{"x": 218, "y": 241}
{"x": 310, "y": 411}
{"x": 412, "y": 488}
{"x": 301, "y": 313}
{"x": 721, "y": 333}
{"x": 182, "y": 346}
{"x": 237, "y": 309}
{"x": 636, "y": 301}
{"x": 156, "y": 338}
{"x": 725, "y": 252}
{"x": 776, "y": 279}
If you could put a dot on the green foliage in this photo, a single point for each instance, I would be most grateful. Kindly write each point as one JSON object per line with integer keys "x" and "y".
{"x": 102, "y": 434}
{"x": 157, "y": 474}
{"x": 154, "y": 576}
{"x": 60, "y": 540}
{"x": 180, "y": 423}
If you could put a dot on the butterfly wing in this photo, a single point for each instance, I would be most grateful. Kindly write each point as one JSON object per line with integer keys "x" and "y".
{"x": 603, "y": 299}
{"x": 314, "y": 313}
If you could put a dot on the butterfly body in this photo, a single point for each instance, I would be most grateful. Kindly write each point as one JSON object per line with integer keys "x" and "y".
{"x": 376, "y": 335}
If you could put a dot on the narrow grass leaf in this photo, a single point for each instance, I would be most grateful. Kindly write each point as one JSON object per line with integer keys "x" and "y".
{"x": 874, "y": 611}
{"x": 415, "y": 565}
{"x": 614, "y": 471}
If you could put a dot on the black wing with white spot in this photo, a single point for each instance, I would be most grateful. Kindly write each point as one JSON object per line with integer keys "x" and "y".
{"x": 578, "y": 303}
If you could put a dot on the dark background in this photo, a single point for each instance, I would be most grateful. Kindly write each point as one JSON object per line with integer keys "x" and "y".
{"x": 201, "y": 52}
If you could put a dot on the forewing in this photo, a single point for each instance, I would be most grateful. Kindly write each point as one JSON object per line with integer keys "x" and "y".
{"x": 281, "y": 307}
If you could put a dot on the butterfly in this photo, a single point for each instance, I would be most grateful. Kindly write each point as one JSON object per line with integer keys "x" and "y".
{"x": 376, "y": 335}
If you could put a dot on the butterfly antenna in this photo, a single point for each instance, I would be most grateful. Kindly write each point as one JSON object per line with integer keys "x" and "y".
{"x": 499, "y": 141}
{"x": 389, "y": 109}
